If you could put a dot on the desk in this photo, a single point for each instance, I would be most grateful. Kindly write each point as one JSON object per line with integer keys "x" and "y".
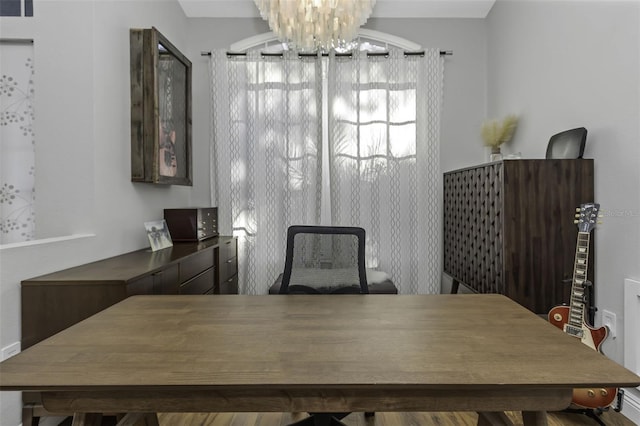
{"x": 55, "y": 301}
{"x": 479, "y": 352}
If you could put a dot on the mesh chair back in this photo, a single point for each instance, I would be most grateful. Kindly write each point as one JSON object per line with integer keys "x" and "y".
{"x": 324, "y": 259}
{"x": 567, "y": 145}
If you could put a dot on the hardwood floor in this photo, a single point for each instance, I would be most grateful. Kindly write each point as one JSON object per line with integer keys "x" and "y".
{"x": 610, "y": 418}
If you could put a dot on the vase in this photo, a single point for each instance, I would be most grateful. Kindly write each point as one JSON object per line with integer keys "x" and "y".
{"x": 495, "y": 155}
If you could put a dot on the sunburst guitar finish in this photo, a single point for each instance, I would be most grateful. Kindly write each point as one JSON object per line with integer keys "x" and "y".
{"x": 592, "y": 337}
{"x": 571, "y": 318}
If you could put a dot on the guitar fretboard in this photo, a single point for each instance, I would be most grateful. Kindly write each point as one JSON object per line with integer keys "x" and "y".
{"x": 576, "y": 312}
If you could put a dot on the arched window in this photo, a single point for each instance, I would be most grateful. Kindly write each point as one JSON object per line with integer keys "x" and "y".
{"x": 368, "y": 40}
{"x": 350, "y": 139}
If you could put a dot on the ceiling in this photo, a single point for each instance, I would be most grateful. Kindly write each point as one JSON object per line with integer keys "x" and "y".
{"x": 382, "y": 9}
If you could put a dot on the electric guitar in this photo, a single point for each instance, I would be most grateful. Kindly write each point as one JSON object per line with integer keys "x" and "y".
{"x": 571, "y": 318}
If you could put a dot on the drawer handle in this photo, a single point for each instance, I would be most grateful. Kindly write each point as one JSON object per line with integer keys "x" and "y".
{"x": 229, "y": 261}
{"x": 230, "y": 280}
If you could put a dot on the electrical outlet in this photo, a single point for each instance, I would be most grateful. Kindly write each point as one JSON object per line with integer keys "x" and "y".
{"x": 609, "y": 320}
{"x": 9, "y": 351}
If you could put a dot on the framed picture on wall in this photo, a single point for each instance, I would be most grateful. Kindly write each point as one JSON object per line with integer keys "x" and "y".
{"x": 160, "y": 110}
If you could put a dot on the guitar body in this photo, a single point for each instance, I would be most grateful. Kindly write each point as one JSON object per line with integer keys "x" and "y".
{"x": 592, "y": 337}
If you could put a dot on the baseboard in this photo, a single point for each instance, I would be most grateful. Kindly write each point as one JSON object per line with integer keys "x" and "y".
{"x": 631, "y": 406}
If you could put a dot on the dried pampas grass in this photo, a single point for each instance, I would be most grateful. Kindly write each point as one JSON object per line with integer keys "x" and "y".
{"x": 495, "y": 134}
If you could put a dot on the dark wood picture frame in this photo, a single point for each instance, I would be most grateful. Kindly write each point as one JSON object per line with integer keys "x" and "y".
{"x": 160, "y": 110}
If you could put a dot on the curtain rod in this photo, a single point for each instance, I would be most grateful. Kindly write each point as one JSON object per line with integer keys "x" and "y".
{"x": 418, "y": 53}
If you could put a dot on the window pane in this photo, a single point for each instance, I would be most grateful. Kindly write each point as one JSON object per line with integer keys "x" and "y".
{"x": 403, "y": 140}
{"x": 17, "y": 154}
{"x": 373, "y": 105}
{"x": 28, "y": 7}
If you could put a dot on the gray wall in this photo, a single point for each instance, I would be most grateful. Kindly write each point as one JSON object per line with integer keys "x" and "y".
{"x": 565, "y": 77}
{"x": 82, "y": 127}
{"x": 561, "y": 65}
{"x": 81, "y": 55}
{"x": 82, "y": 124}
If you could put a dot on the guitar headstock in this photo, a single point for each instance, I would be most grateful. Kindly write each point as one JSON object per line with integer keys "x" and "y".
{"x": 587, "y": 216}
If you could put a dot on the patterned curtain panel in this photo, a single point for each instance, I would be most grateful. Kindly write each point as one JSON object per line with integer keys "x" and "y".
{"x": 17, "y": 154}
{"x": 266, "y": 155}
{"x": 384, "y": 126}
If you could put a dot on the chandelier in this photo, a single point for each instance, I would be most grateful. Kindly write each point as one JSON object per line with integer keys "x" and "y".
{"x": 316, "y": 24}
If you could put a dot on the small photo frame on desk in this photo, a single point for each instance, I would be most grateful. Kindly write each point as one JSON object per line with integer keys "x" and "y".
{"x": 158, "y": 234}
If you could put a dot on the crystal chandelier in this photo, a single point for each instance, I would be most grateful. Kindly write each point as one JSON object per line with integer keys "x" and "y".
{"x": 316, "y": 24}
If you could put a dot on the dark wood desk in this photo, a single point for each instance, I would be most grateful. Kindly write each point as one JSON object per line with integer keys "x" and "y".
{"x": 55, "y": 301}
{"x": 475, "y": 352}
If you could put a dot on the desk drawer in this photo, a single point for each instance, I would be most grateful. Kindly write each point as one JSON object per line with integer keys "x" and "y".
{"x": 200, "y": 284}
{"x": 196, "y": 264}
{"x": 164, "y": 281}
{"x": 142, "y": 285}
{"x": 228, "y": 249}
{"x": 228, "y": 268}
{"x": 230, "y": 286}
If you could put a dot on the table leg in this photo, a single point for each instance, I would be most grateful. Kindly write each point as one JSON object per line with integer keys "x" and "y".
{"x": 87, "y": 419}
{"x": 534, "y": 418}
{"x": 455, "y": 284}
{"x": 27, "y": 416}
{"x": 487, "y": 418}
{"x": 129, "y": 419}
{"x": 132, "y": 419}
{"x": 151, "y": 419}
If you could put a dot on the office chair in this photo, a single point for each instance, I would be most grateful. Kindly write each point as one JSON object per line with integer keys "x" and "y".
{"x": 324, "y": 260}
{"x": 568, "y": 144}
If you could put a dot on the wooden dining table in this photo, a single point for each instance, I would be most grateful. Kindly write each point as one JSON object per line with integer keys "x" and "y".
{"x": 318, "y": 353}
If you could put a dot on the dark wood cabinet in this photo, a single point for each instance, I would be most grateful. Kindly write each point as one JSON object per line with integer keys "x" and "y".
{"x": 53, "y": 302}
{"x": 508, "y": 228}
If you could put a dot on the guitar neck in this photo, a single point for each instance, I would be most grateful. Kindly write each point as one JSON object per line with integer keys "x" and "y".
{"x": 577, "y": 310}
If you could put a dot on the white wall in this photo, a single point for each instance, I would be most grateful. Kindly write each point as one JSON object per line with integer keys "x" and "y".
{"x": 565, "y": 64}
{"x": 81, "y": 55}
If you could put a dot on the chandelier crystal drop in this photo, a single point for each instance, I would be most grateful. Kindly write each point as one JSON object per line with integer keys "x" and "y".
{"x": 310, "y": 25}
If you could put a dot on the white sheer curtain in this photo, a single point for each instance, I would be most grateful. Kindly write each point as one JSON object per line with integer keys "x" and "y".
{"x": 17, "y": 146}
{"x": 266, "y": 155}
{"x": 384, "y": 126}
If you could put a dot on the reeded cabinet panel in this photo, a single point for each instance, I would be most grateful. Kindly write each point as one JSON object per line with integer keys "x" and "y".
{"x": 473, "y": 227}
